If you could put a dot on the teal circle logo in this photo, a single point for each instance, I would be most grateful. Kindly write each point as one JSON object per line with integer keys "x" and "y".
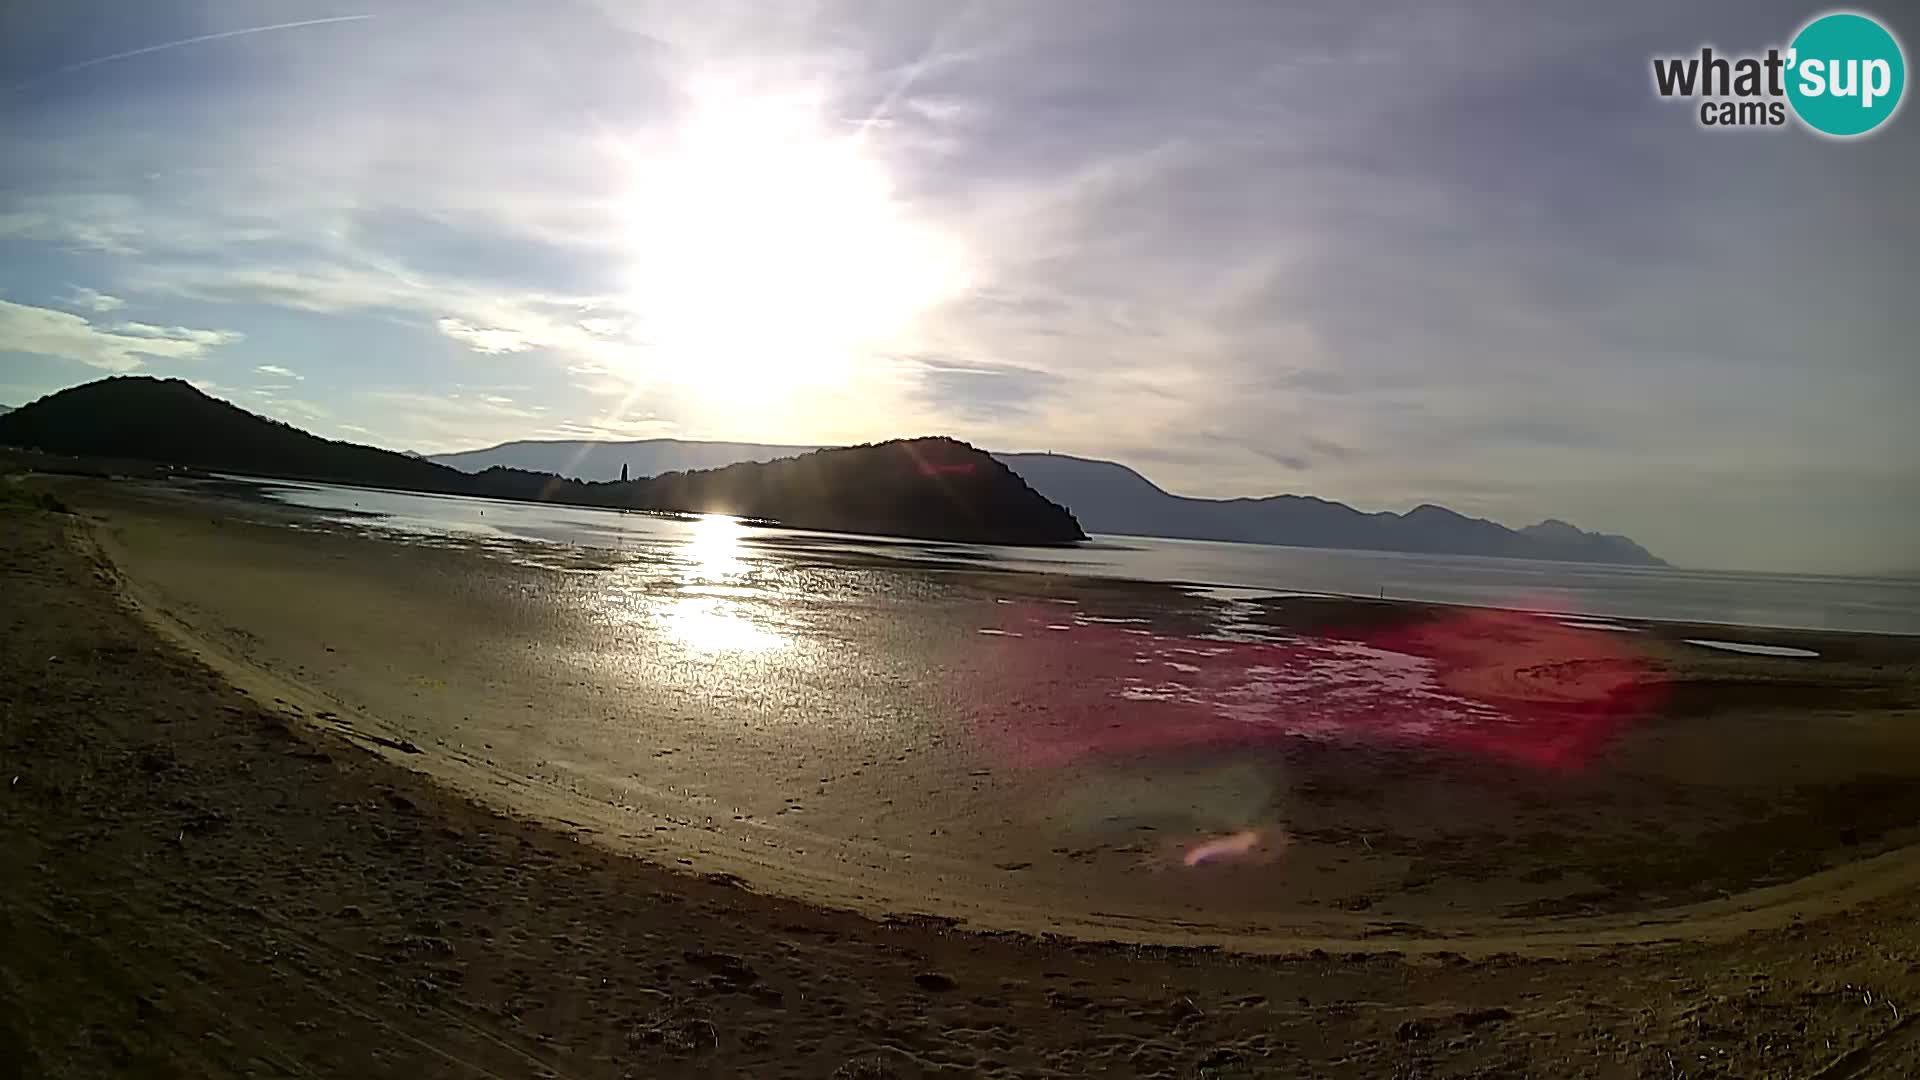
{"x": 1845, "y": 74}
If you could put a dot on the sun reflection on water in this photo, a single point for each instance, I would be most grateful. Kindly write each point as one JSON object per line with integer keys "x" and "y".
{"x": 711, "y": 624}
{"x": 715, "y": 613}
{"x": 714, "y": 552}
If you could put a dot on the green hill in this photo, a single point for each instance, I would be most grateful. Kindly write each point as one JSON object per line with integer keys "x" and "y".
{"x": 930, "y": 488}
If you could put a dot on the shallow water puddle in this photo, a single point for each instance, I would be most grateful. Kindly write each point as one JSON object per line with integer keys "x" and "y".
{"x": 1750, "y": 648}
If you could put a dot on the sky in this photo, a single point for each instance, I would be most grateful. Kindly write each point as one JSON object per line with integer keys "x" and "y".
{"x": 1387, "y": 253}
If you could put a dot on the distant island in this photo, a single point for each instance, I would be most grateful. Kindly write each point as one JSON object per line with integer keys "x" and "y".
{"x": 1107, "y": 497}
{"x": 926, "y": 488}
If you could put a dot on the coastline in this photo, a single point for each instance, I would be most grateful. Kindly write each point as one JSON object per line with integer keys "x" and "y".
{"x": 1823, "y": 893}
{"x": 1892, "y": 620}
{"x": 244, "y": 894}
{"x": 1896, "y": 621}
{"x": 648, "y": 758}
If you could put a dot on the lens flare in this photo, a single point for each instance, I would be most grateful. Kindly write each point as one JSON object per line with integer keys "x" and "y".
{"x": 1245, "y": 844}
{"x": 1506, "y": 685}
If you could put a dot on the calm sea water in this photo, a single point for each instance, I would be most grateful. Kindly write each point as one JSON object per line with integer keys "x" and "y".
{"x": 1800, "y": 601}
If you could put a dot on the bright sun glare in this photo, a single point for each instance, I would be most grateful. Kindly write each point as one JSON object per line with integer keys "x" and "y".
{"x": 708, "y": 617}
{"x": 771, "y": 252}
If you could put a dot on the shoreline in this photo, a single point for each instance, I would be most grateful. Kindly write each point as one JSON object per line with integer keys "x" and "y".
{"x": 242, "y": 895}
{"x": 1103, "y": 541}
{"x": 114, "y": 468}
{"x": 1769, "y": 907}
{"x": 892, "y": 888}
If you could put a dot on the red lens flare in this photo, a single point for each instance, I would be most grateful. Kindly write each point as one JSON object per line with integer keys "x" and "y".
{"x": 1503, "y": 684}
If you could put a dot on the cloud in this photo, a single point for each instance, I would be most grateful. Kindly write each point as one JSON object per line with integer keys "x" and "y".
{"x": 455, "y": 404}
{"x": 490, "y": 321}
{"x": 441, "y": 423}
{"x": 602, "y": 388}
{"x": 306, "y": 411}
{"x": 61, "y": 334}
{"x": 97, "y": 302}
{"x": 437, "y": 423}
{"x": 278, "y": 371}
{"x": 103, "y": 224}
{"x": 320, "y": 289}
{"x": 1255, "y": 269}
{"x": 201, "y": 338}
{"x": 983, "y": 391}
{"x": 493, "y": 339}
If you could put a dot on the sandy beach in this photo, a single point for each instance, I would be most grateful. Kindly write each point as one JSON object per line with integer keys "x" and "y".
{"x": 290, "y": 800}
{"x": 1050, "y": 753}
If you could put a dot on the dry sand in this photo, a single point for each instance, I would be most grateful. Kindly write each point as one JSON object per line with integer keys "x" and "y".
{"x": 193, "y": 883}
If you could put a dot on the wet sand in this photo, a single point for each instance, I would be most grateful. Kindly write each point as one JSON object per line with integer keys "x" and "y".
{"x": 1049, "y": 754}
{"x": 195, "y": 884}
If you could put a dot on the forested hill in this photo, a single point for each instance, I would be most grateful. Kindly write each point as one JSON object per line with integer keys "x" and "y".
{"x": 933, "y": 488}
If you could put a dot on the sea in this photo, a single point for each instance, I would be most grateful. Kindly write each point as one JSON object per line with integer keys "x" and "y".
{"x": 1229, "y": 570}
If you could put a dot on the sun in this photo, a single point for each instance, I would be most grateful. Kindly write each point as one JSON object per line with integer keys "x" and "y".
{"x": 770, "y": 252}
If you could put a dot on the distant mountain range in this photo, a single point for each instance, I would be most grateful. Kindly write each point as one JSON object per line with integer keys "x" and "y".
{"x": 1107, "y": 497}
{"x": 170, "y": 421}
{"x": 931, "y": 488}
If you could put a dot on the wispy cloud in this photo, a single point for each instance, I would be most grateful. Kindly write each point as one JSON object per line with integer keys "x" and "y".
{"x": 486, "y": 339}
{"x": 197, "y": 39}
{"x": 273, "y": 400}
{"x": 437, "y": 422}
{"x": 202, "y": 338}
{"x": 1414, "y": 253}
{"x": 278, "y": 371}
{"x": 97, "y": 302}
{"x": 64, "y": 335}
{"x": 102, "y": 224}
